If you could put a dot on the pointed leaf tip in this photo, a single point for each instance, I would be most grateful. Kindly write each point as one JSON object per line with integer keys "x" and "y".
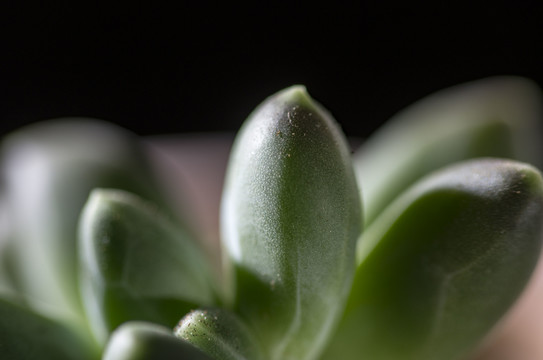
{"x": 291, "y": 216}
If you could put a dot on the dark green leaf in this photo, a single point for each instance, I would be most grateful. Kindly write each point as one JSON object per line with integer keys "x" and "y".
{"x": 25, "y": 335}
{"x": 443, "y": 263}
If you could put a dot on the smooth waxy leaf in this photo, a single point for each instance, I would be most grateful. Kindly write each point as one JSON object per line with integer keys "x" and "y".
{"x": 443, "y": 263}
{"x": 49, "y": 169}
{"x": 290, "y": 219}
{"x": 494, "y": 117}
{"x": 220, "y": 334}
{"x": 25, "y": 335}
{"x": 146, "y": 341}
{"x": 137, "y": 264}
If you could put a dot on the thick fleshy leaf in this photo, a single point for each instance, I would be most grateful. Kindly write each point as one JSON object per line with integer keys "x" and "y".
{"x": 220, "y": 334}
{"x": 290, "y": 219}
{"x": 24, "y": 335}
{"x": 443, "y": 263}
{"x": 137, "y": 264}
{"x": 494, "y": 117}
{"x": 147, "y": 341}
{"x": 49, "y": 169}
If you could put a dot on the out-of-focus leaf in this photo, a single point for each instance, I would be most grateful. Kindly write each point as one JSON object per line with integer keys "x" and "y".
{"x": 443, "y": 263}
{"x": 24, "y": 335}
{"x": 494, "y": 117}
{"x": 137, "y": 264}
{"x": 290, "y": 219}
{"x": 49, "y": 169}
{"x": 220, "y": 334}
{"x": 7, "y": 285}
{"x": 146, "y": 341}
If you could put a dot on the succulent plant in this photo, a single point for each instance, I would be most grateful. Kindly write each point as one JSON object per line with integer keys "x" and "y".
{"x": 413, "y": 247}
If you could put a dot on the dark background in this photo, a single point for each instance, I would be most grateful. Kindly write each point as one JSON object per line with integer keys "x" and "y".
{"x": 202, "y": 66}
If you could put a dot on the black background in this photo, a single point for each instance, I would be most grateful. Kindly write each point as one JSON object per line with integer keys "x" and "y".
{"x": 203, "y": 66}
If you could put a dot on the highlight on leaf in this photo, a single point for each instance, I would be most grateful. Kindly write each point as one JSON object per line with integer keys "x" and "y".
{"x": 220, "y": 334}
{"x": 290, "y": 219}
{"x": 138, "y": 340}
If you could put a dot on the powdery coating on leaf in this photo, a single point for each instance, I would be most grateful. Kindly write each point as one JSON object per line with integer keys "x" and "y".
{"x": 137, "y": 340}
{"x": 220, "y": 334}
{"x": 289, "y": 219}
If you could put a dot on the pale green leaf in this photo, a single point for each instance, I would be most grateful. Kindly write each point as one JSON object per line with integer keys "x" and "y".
{"x": 137, "y": 264}
{"x": 290, "y": 219}
{"x": 494, "y": 117}
{"x": 49, "y": 170}
{"x": 220, "y": 334}
{"x": 147, "y": 341}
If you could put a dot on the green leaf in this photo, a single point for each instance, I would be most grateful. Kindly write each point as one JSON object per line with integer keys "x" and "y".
{"x": 24, "y": 335}
{"x": 7, "y": 283}
{"x": 50, "y": 169}
{"x": 220, "y": 334}
{"x": 8, "y": 287}
{"x": 146, "y": 341}
{"x": 443, "y": 263}
{"x": 137, "y": 264}
{"x": 290, "y": 219}
{"x": 494, "y": 117}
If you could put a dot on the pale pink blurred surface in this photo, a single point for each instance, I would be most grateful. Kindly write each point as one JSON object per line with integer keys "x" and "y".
{"x": 198, "y": 162}
{"x": 520, "y": 335}
{"x": 193, "y": 167}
